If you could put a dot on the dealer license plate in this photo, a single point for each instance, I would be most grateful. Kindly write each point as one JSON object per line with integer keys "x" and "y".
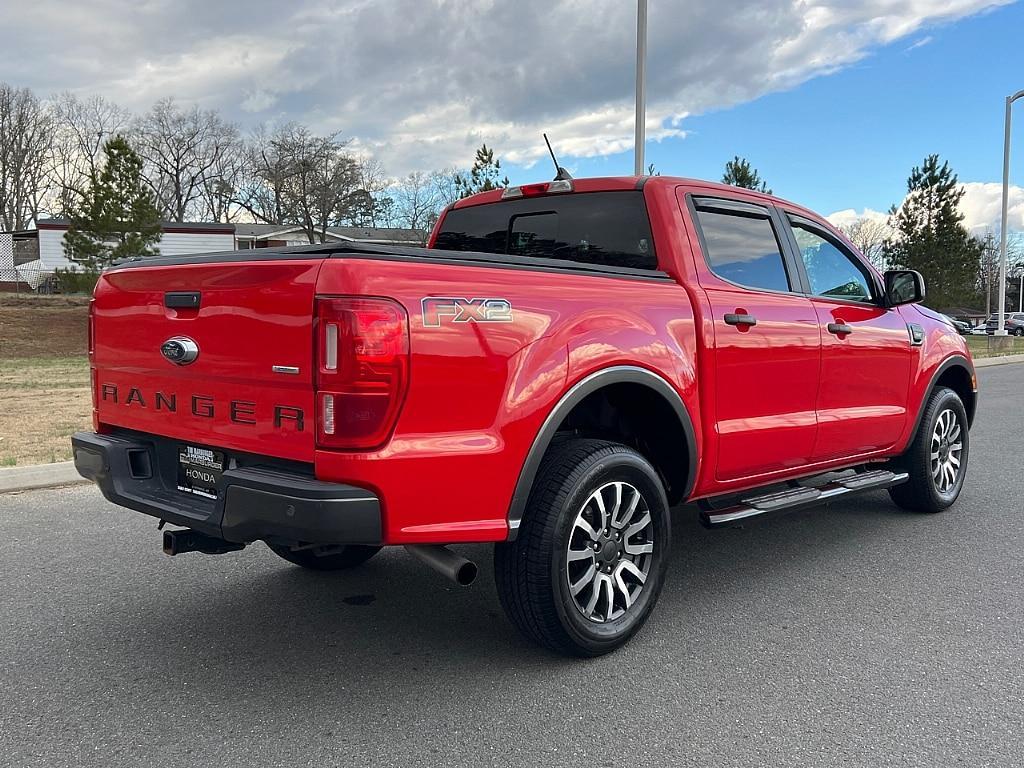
{"x": 200, "y": 471}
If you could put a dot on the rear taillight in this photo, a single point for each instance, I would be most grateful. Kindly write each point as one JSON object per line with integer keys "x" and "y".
{"x": 362, "y": 371}
{"x": 92, "y": 326}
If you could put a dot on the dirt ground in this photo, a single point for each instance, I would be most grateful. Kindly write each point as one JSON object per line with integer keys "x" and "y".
{"x": 43, "y": 326}
{"x": 44, "y": 377}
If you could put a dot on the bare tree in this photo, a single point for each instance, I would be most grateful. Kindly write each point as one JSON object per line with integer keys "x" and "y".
{"x": 448, "y": 185}
{"x": 223, "y": 182}
{"x": 25, "y": 128}
{"x": 296, "y": 177}
{"x": 869, "y": 236}
{"x": 371, "y": 205}
{"x": 416, "y": 202}
{"x": 80, "y": 130}
{"x": 266, "y": 171}
{"x": 988, "y": 274}
{"x": 181, "y": 149}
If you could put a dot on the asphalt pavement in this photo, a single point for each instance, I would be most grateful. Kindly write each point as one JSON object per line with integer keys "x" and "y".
{"x": 854, "y": 635}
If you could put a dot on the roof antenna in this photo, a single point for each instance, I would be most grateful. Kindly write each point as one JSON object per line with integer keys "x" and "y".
{"x": 560, "y": 173}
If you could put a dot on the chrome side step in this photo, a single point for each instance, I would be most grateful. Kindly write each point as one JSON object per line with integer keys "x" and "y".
{"x": 801, "y": 496}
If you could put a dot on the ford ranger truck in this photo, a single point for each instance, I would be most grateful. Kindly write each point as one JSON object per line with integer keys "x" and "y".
{"x": 564, "y": 364}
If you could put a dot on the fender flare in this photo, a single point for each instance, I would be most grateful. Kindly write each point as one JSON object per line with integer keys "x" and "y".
{"x": 576, "y": 394}
{"x": 953, "y": 361}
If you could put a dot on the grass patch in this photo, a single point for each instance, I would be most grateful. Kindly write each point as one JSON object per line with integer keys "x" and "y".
{"x": 990, "y": 346}
{"x": 45, "y": 401}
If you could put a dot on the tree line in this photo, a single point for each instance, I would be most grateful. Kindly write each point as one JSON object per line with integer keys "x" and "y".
{"x": 924, "y": 232}
{"x": 199, "y": 166}
{"x": 116, "y": 175}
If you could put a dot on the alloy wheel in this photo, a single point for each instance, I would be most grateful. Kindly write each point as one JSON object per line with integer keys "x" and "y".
{"x": 946, "y": 451}
{"x": 610, "y": 551}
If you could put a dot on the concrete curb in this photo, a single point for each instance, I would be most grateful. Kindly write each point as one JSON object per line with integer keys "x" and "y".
{"x": 63, "y": 473}
{"x": 985, "y": 362}
{"x": 39, "y": 476}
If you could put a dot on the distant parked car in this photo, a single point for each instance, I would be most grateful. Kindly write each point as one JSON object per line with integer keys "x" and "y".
{"x": 964, "y": 329}
{"x": 1014, "y": 324}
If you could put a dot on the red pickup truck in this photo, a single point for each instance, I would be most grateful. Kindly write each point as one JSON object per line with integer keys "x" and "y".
{"x": 564, "y": 363}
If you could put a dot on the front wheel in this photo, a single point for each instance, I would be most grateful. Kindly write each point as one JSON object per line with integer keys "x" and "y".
{"x": 589, "y": 562}
{"x": 937, "y": 458}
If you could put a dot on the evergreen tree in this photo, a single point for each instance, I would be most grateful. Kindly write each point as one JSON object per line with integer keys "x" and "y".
{"x": 484, "y": 176}
{"x": 931, "y": 238}
{"x": 740, "y": 173}
{"x": 117, "y": 217}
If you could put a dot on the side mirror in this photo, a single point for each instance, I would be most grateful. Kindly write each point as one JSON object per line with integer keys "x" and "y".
{"x": 903, "y": 286}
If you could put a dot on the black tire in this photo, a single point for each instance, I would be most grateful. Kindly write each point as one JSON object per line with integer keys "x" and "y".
{"x": 923, "y": 492}
{"x": 1018, "y": 331}
{"x": 533, "y": 572}
{"x": 349, "y": 556}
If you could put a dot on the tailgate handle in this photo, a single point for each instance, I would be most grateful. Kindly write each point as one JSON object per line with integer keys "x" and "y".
{"x": 182, "y": 299}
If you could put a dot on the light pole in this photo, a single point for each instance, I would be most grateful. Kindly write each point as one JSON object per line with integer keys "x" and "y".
{"x": 1001, "y": 328}
{"x": 641, "y": 87}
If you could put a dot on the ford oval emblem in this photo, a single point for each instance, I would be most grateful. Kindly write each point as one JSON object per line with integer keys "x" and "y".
{"x": 180, "y": 350}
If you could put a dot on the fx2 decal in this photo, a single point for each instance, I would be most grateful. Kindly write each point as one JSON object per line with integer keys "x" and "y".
{"x": 439, "y": 309}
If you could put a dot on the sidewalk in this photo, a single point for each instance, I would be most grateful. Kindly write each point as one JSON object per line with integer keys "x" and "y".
{"x": 39, "y": 476}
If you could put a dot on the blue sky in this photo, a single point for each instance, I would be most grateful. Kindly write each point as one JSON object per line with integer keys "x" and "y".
{"x": 849, "y": 139}
{"x": 832, "y": 100}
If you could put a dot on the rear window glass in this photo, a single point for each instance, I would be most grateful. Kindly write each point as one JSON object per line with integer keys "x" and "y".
{"x": 743, "y": 250}
{"x": 607, "y": 228}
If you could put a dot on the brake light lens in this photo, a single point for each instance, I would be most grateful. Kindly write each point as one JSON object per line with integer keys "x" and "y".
{"x": 362, "y": 371}
{"x": 536, "y": 190}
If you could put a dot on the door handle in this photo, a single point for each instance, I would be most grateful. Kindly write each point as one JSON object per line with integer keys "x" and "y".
{"x": 840, "y": 329}
{"x": 733, "y": 319}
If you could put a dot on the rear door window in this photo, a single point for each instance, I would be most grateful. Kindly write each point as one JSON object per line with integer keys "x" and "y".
{"x": 741, "y": 246}
{"x": 606, "y": 228}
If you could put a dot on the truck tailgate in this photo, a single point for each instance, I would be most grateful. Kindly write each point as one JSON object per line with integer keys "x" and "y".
{"x": 250, "y": 388}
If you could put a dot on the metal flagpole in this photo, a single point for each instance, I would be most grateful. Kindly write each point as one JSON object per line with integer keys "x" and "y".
{"x": 641, "y": 86}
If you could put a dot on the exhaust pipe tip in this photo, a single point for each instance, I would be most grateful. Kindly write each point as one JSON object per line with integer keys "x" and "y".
{"x": 450, "y": 565}
{"x": 467, "y": 573}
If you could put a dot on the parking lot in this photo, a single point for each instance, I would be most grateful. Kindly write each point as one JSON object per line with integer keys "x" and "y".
{"x": 850, "y": 635}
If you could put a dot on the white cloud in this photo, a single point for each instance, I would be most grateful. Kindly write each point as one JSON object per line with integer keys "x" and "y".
{"x": 849, "y": 216}
{"x": 981, "y": 206}
{"x": 426, "y": 82}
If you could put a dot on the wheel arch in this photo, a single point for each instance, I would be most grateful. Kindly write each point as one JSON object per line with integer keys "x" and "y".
{"x": 656, "y": 398}
{"x": 957, "y": 373}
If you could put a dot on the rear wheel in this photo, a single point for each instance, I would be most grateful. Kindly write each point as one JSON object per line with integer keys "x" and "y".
{"x": 1019, "y": 331}
{"x": 937, "y": 458}
{"x": 589, "y": 562}
{"x": 326, "y": 558}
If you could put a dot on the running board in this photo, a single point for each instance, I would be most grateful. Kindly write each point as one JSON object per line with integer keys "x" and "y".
{"x": 801, "y": 496}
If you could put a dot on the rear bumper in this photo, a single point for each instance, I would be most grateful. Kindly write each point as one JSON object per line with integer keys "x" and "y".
{"x": 253, "y": 502}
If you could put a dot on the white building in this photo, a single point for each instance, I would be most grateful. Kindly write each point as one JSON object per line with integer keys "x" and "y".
{"x": 31, "y": 256}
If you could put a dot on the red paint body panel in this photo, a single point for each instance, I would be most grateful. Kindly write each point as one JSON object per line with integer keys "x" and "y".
{"x": 779, "y": 400}
{"x": 254, "y": 315}
{"x": 864, "y": 382}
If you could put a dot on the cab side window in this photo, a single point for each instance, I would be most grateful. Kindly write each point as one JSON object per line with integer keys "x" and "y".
{"x": 741, "y": 246}
{"x": 833, "y": 273}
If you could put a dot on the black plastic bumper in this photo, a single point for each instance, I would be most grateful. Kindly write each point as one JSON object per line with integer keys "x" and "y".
{"x": 253, "y": 502}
